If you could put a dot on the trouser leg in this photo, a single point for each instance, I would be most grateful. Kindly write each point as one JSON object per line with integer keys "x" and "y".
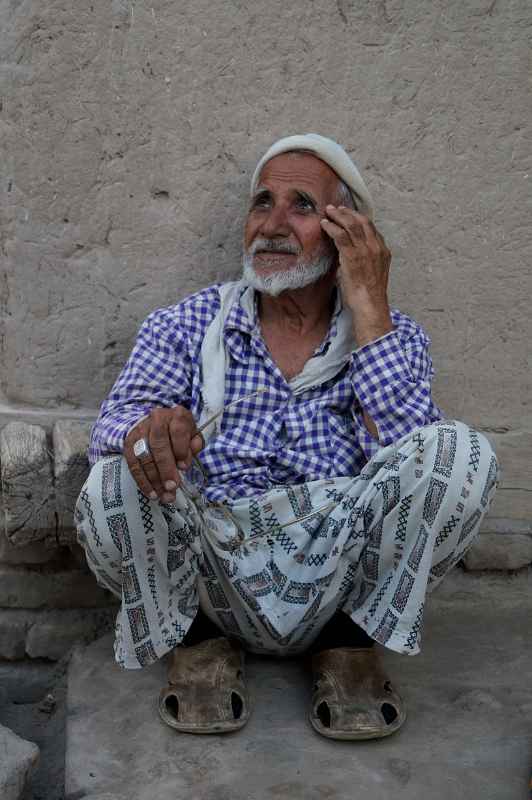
{"x": 369, "y": 545}
{"x": 145, "y": 552}
{"x": 341, "y": 631}
{"x": 422, "y": 506}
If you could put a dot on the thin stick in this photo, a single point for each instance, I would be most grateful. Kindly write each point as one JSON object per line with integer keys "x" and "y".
{"x": 230, "y": 405}
{"x": 328, "y": 507}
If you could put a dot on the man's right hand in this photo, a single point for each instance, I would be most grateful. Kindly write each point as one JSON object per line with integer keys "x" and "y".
{"x": 173, "y": 439}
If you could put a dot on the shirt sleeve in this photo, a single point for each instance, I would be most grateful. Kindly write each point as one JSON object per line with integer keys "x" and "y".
{"x": 392, "y": 381}
{"x": 157, "y": 374}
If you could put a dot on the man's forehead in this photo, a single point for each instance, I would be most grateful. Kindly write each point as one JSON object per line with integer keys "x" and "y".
{"x": 299, "y": 170}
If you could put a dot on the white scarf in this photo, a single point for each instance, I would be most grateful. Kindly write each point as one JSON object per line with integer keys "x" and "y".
{"x": 214, "y": 355}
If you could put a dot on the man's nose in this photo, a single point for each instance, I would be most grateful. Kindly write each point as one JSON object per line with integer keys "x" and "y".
{"x": 275, "y": 223}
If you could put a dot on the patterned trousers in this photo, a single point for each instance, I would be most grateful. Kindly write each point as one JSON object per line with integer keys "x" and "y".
{"x": 270, "y": 571}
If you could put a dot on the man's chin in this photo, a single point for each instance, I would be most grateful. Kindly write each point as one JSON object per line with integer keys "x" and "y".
{"x": 282, "y": 280}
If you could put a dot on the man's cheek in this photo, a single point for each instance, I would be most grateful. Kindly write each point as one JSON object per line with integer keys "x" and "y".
{"x": 251, "y": 227}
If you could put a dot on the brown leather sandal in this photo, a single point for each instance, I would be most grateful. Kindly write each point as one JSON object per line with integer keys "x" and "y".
{"x": 207, "y": 693}
{"x": 353, "y": 698}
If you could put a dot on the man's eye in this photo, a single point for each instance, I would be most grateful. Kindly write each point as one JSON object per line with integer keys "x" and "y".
{"x": 261, "y": 202}
{"x": 305, "y": 204}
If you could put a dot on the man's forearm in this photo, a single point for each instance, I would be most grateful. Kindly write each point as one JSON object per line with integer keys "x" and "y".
{"x": 370, "y": 321}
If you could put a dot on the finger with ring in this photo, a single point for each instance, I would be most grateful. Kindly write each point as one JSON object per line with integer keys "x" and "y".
{"x": 141, "y": 449}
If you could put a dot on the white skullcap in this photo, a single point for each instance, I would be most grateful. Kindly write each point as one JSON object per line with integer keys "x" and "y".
{"x": 333, "y": 155}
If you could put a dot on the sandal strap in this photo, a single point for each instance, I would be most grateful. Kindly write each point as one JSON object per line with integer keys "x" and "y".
{"x": 203, "y": 680}
{"x": 205, "y": 663}
{"x": 354, "y": 687}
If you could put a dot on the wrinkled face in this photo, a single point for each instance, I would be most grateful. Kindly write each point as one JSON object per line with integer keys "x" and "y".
{"x": 284, "y": 244}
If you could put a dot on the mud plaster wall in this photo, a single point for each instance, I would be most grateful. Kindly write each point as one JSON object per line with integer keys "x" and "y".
{"x": 128, "y": 135}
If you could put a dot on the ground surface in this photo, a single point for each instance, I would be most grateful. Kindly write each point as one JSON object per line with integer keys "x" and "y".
{"x": 469, "y": 697}
{"x": 468, "y": 733}
{"x": 32, "y": 703}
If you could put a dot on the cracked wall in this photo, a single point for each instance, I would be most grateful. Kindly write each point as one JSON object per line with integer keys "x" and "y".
{"x": 129, "y": 133}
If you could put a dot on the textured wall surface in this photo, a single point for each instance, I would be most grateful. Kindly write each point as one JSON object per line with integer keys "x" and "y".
{"x": 129, "y": 132}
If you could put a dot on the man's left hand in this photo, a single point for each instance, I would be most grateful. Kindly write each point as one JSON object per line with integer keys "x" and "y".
{"x": 364, "y": 266}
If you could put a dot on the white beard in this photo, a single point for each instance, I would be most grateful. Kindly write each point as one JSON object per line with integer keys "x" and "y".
{"x": 301, "y": 274}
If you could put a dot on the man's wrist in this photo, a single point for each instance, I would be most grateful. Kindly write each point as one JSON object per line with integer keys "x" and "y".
{"x": 370, "y": 320}
{"x": 137, "y": 422}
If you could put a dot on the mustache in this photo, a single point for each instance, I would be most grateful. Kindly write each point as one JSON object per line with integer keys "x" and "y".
{"x": 273, "y": 246}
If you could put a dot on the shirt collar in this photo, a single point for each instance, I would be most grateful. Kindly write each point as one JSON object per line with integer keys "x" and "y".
{"x": 242, "y": 315}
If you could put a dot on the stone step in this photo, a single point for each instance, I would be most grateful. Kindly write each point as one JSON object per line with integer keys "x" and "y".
{"x": 502, "y": 544}
{"x": 50, "y": 633}
{"x": 23, "y": 587}
{"x": 469, "y": 700}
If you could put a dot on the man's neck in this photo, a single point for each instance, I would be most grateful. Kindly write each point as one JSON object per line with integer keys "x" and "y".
{"x": 299, "y": 311}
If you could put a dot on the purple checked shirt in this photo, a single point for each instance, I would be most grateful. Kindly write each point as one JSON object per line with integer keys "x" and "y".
{"x": 275, "y": 437}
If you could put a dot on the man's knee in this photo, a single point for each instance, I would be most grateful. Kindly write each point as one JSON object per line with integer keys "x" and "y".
{"x": 108, "y": 493}
{"x": 464, "y": 460}
{"x": 463, "y": 466}
{"x": 457, "y": 444}
{"x": 110, "y": 484}
{"x": 482, "y": 469}
{"x": 473, "y": 451}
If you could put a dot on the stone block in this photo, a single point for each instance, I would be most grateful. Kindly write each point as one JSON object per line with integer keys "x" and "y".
{"x": 18, "y": 758}
{"x": 503, "y": 544}
{"x": 13, "y": 629}
{"x": 58, "y": 631}
{"x": 22, "y": 587}
{"x": 77, "y": 555}
{"x": 513, "y": 499}
{"x": 27, "y": 483}
{"x": 50, "y": 634}
{"x": 71, "y": 467}
{"x": 36, "y": 553}
{"x": 499, "y": 551}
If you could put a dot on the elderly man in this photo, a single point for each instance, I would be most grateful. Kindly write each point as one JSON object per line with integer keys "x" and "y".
{"x": 270, "y": 471}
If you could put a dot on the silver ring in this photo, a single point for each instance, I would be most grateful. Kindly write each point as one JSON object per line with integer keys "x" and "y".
{"x": 141, "y": 449}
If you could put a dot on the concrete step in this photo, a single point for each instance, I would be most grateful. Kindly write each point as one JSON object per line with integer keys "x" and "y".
{"x": 469, "y": 700}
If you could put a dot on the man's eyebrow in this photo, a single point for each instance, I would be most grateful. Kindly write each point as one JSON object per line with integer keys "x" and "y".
{"x": 262, "y": 191}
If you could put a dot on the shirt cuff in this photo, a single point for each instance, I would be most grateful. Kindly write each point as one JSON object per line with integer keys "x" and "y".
{"x": 134, "y": 424}
{"x": 377, "y": 364}
{"x": 107, "y": 436}
{"x": 377, "y": 369}
{"x": 363, "y": 347}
